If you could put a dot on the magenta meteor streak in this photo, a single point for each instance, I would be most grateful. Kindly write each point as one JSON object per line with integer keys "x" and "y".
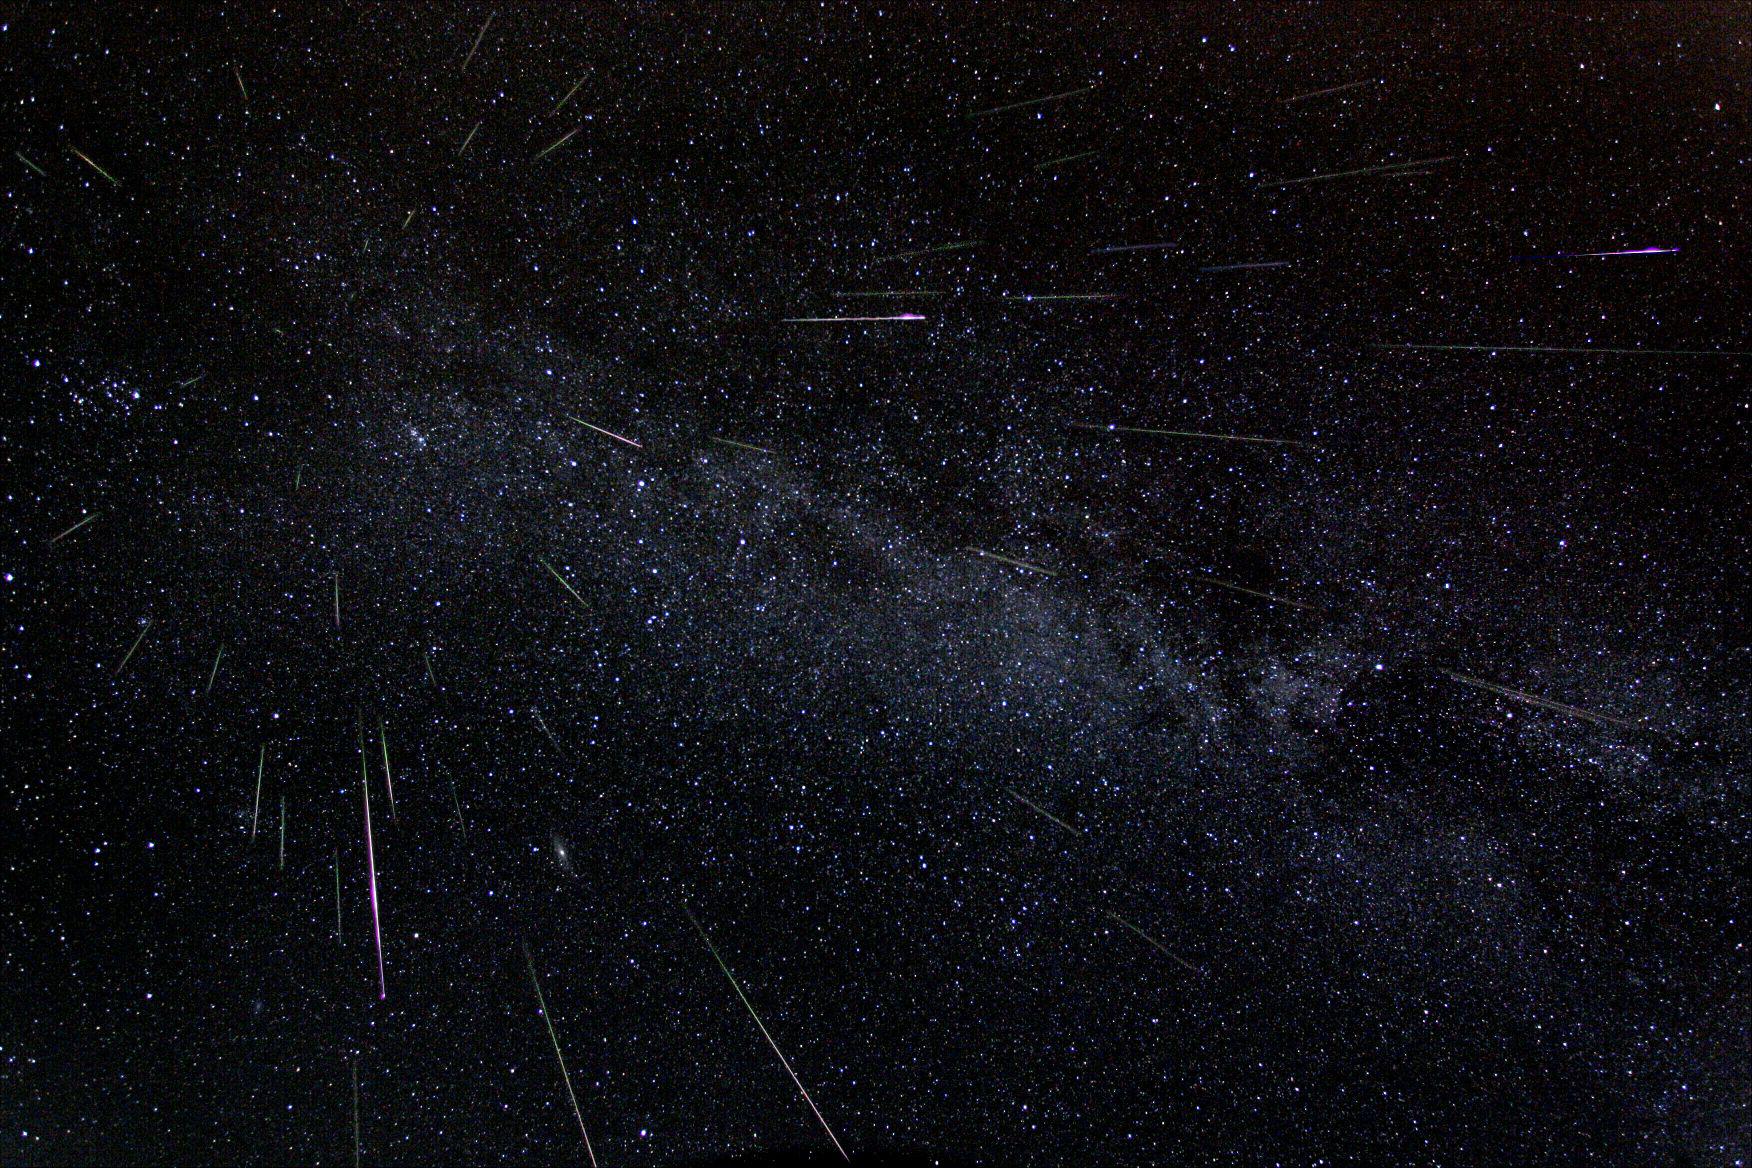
{"x": 847, "y": 319}
{"x": 371, "y": 860}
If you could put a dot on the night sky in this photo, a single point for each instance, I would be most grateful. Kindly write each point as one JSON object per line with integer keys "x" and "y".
{"x": 1351, "y": 769}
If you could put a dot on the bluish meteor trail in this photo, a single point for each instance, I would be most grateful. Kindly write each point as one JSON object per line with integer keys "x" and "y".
{"x": 1133, "y": 247}
{"x": 849, "y": 319}
{"x": 1600, "y": 255}
{"x": 1248, "y": 267}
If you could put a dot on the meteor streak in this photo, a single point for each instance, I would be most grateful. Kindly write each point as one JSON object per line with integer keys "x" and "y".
{"x": 848, "y": 319}
{"x": 477, "y": 41}
{"x": 1051, "y": 162}
{"x": 86, "y": 158}
{"x": 563, "y": 140}
{"x": 1191, "y": 434}
{"x": 1017, "y": 795}
{"x": 388, "y": 782}
{"x": 1597, "y": 255}
{"x": 1542, "y": 703}
{"x": 568, "y": 96}
{"x": 1023, "y": 564}
{"x": 238, "y": 73}
{"x": 737, "y": 986}
{"x": 1016, "y": 105}
{"x": 131, "y": 648}
{"x": 1249, "y": 591}
{"x": 1308, "y": 178}
{"x": 907, "y": 255}
{"x": 1133, "y": 247}
{"x": 217, "y": 657}
{"x": 256, "y": 817}
{"x": 554, "y": 1038}
{"x": 609, "y": 433}
{"x": 904, "y": 292}
{"x": 1061, "y": 296}
{"x": 1253, "y": 267}
{"x": 1157, "y": 945}
{"x": 88, "y": 519}
{"x": 371, "y": 862}
{"x": 1331, "y": 89}
{"x": 563, "y": 583}
{"x": 738, "y": 445}
{"x": 282, "y": 831}
{"x": 29, "y": 163}
{"x": 467, "y": 140}
{"x": 337, "y": 598}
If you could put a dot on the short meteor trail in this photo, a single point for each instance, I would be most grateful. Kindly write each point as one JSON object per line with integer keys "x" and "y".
{"x": 256, "y": 818}
{"x": 217, "y": 657}
{"x": 29, "y": 163}
{"x": 1570, "y": 349}
{"x": 1362, "y": 170}
{"x": 563, "y": 583}
{"x": 477, "y": 41}
{"x": 1117, "y": 248}
{"x": 924, "y": 251}
{"x": 461, "y": 824}
{"x": 282, "y": 831}
{"x": 557, "y": 145}
{"x": 1191, "y": 434}
{"x": 467, "y": 140}
{"x": 88, "y": 519}
{"x": 1015, "y": 794}
{"x": 238, "y": 73}
{"x": 1023, "y": 564}
{"x": 1016, "y": 105}
{"x": 554, "y": 1038}
{"x": 1051, "y": 162}
{"x": 542, "y": 722}
{"x": 190, "y": 381}
{"x": 131, "y": 648}
{"x": 86, "y": 158}
{"x": 1157, "y": 945}
{"x": 1349, "y": 85}
{"x": 1600, "y": 255}
{"x": 848, "y": 319}
{"x": 738, "y": 445}
{"x": 568, "y": 96}
{"x": 371, "y": 862}
{"x": 388, "y": 782}
{"x": 609, "y": 433}
{"x": 1542, "y": 703}
{"x": 737, "y": 986}
{"x": 337, "y": 599}
{"x": 1233, "y": 587}
{"x": 1253, "y": 267}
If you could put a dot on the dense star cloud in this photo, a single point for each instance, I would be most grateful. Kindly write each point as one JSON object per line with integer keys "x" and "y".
{"x": 1122, "y": 699}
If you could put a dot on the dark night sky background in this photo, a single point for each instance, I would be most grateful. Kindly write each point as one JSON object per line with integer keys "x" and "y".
{"x": 1401, "y": 918}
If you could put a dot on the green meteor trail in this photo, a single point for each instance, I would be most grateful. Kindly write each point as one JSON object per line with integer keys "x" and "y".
{"x": 88, "y": 519}
{"x": 565, "y": 1075}
{"x": 1016, "y": 105}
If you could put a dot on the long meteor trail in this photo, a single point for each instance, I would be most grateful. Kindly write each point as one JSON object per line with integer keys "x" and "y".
{"x": 848, "y": 319}
{"x": 1016, "y": 105}
{"x": 1542, "y": 703}
{"x": 1349, "y": 85}
{"x": 1233, "y": 587}
{"x": 129, "y": 656}
{"x": 1117, "y": 248}
{"x": 924, "y": 251}
{"x": 563, "y": 584}
{"x": 1190, "y": 434}
{"x": 1155, "y": 944}
{"x": 607, "y": 433}
{"x": 1038, "y": 809}
{"x": 554, "y": 1038}
{"x": 1361, "y": 170}
{"x": 87, "y": 159}
{"x": 737, "y": 986}
{"x": 1600, "y": 255}
{"x": 88, "y": 519}
{"x": 1023, "y": 564}
{"x": 371, "y": 862}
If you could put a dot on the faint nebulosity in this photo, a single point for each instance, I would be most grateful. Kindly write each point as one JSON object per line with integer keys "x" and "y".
{"x": 984, "y": 584}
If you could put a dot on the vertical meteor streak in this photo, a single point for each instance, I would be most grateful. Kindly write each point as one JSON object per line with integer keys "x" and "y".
{"x": 256, "y": 818}
{"x": 338, "y": 896}
{"x": 355, "y": 1111}
{"x": 282, "y": 831}
{"x": 217, "y": 657}
{"x": 371, "y": 862}
{"x": 387, "y": 781}
{"x": 337, "y": 598}
{"x": 737, "y": 986}
{"x": 555, "y": 1039}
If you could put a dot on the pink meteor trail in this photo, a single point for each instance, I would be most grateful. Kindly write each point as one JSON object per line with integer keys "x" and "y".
{"x": 371, "y": 860}
{"x": 609, "y": 433}
{"x": 848, "y": 319}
